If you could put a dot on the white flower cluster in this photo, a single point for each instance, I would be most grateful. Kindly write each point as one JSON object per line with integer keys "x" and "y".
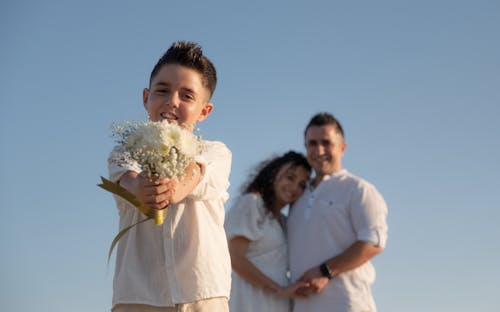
{"x": 160, "y": 148}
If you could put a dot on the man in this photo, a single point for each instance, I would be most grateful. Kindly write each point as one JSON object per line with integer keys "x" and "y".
{"x": 335, "y": 228}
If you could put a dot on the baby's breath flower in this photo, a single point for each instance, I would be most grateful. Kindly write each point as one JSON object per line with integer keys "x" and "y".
{"x": 160, "y": 148}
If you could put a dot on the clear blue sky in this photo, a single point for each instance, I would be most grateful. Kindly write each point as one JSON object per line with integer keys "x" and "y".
{"x": 415, "y": 83}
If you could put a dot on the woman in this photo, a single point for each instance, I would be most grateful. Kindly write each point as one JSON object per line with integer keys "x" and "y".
{"x": 254, "y": 227}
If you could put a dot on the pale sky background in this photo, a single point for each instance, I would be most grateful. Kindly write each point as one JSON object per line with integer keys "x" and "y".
{"x": 416, "y": 85}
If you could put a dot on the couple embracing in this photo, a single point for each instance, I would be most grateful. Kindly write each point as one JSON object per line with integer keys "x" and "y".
{"x": 318, "y": 257}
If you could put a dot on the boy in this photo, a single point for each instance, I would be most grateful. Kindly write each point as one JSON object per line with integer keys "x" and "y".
{"x": 184, "y": 264}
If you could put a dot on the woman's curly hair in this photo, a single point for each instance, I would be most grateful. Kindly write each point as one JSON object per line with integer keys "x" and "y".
{"x": 262, "y": 181}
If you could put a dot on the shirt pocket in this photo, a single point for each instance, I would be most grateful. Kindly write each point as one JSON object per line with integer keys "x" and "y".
{"x": 331, "y": 208}
{"x": 334, "y": 216}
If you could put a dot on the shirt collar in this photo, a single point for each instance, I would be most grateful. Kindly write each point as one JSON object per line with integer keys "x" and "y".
{"x": 327, "y": 177}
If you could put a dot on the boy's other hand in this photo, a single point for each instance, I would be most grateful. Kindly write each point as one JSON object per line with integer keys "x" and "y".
{"x": 156, "y": 194}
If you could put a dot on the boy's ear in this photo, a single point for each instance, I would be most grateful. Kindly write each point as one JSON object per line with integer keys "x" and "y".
{"x": 205, "y": 111}
{"x": 145, "y": 96}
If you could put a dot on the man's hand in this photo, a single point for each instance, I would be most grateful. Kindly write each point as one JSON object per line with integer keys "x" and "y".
{"x": 317, "y": 282}
{"x": 291, "y": 291}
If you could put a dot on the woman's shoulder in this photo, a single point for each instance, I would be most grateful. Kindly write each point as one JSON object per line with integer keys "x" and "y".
{"x": 248, "y": 203}
{"x": 249, "y": 199}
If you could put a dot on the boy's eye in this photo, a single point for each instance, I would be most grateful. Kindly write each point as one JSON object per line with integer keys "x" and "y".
{"x": 188, "y": 96}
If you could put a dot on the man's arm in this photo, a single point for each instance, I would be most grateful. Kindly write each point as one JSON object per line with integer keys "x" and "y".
{"x": 368, "y": 213}
{"x": 354, "y": 256}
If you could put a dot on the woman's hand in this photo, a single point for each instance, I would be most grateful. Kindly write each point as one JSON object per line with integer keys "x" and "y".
{"x": 291, "y": 291}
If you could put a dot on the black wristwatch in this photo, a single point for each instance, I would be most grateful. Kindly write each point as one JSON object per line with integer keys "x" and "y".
{"x": 325, "y": 270}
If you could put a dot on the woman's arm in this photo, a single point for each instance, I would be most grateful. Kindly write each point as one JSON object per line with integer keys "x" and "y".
{"x": 238, "y": 247}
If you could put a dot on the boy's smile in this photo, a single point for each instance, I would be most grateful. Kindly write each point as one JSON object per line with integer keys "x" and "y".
{"x": 177, "y": 95}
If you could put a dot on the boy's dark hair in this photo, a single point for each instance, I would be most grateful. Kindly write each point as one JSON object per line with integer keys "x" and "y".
{"x": 190, "y": 55}
{"x": 263, "y": 181}
{"x": 323, "y": 119}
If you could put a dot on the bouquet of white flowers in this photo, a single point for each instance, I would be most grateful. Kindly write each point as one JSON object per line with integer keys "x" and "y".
{"x": 161, "y": 149}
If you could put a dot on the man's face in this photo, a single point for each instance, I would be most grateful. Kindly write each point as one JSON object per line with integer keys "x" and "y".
{"x": 325, "y": 148}
{"x": 177, "y": 95}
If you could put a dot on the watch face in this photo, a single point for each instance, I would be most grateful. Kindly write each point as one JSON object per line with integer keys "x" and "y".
{"x": 325, "y": 270}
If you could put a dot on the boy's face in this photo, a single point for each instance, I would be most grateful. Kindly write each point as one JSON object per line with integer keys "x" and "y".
{"x": 177, "y": 95}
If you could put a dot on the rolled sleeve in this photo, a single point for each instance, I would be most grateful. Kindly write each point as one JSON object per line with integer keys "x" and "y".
{"x": 369, "y": 215}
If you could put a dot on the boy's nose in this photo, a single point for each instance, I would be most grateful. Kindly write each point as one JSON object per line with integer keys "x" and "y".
{"x": 172, "y": 100}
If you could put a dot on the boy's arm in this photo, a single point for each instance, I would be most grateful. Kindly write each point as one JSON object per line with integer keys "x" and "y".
{"x": 160, "y": 193}
{"x": 182, "y": 188}
{"x": 155, "y": 194}
{"x": 208, "y": 178}
{"x": 127, "y": 173}
{"x": 216, "y": 167}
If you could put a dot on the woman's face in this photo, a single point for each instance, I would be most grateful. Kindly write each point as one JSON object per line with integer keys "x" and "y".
{"x": 289, "y": 184}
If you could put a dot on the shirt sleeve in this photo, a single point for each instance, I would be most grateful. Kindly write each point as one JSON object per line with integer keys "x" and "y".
{"x": 369, "y": 214}
{"x": 245, "y": 218}
{"x": 216, "y": 167}
{"x": 118, "y": 164}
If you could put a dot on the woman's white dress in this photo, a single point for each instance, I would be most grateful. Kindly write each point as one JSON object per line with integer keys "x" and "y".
{"x": 267, "y": 251}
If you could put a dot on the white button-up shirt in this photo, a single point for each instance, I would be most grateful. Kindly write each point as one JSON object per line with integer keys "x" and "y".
{"x": 323, "y": 223}
{"x": 186, "y": 259}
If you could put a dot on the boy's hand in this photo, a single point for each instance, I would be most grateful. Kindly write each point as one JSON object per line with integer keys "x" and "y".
{"x": 156, "y": 194}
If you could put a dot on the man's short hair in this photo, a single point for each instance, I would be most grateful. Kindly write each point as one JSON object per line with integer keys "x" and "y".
{"x": 324, "y": 119}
